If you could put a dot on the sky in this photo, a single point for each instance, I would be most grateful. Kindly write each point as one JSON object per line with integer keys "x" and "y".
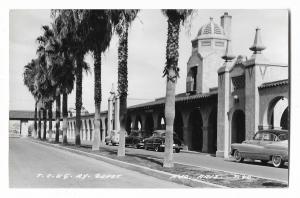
{"x": 146, "y": 51}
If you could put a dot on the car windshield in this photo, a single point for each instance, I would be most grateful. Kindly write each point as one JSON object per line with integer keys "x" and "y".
{"x": 283, "y": 136}
{"x": 269, "y": 137}
{"x": 258, "y": 136}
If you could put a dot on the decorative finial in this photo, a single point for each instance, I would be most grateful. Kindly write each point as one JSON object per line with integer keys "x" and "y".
{"x": 228, "y": 56}
{"x": 257, "y": 46}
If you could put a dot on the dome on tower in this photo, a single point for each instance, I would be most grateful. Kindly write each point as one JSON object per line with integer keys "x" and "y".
{"x": 211, "y": 29}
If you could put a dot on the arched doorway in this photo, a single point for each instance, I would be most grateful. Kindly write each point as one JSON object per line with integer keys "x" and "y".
{"x": 161, "y": 122}
{"x": 138, "y": 123}
{"x": 178, "y": 125}
{"x": 278, "y": 113}
{"x": 195, "y": 128}
{"x": 101, "y": 130}
{"x": 105, "y": 122}
{"x": 149, "y": 125}
{"x": 91, "y": 130}
{"x": 128, "y": 124}
{"x": 238, "y": 127}
{"x": 212, "y": 131}
{"x": 284, "y": 122}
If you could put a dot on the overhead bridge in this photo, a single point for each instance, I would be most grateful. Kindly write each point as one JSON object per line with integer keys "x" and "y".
{"x": 24, "y": 117}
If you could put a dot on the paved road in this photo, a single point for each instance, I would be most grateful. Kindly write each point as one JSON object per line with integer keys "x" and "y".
{"x": 35, "y": 165}
{"x": 204, "y": 160}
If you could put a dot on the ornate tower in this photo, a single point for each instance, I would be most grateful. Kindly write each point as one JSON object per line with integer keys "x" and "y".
{"x": 207, "y": 49}
{"x": 223, "y": 140}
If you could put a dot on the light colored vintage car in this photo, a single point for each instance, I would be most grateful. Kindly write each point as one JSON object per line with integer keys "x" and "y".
{"x": 113, "y": 138}
{"x": 266, "y": 145}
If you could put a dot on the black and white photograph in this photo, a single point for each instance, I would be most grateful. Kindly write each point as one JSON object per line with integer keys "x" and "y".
{"x": 121, "y": 98}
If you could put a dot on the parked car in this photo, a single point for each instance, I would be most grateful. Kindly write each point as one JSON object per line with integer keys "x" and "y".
{"x": 113, "y": 138}
{"x": 266, "y": 145}
{"x": 157, "y": 142}
{"x": 134, "y": 139}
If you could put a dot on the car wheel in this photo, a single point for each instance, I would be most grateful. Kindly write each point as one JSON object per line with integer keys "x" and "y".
{"x": 156, "y": 149}
{"x": 177, "y": 150}
{"x": 237, "y": 156}
{"x": 277, "y": 161}
{"x": 106, "y": 143}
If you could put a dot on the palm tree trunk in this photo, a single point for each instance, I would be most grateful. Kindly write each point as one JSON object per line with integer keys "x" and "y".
{"x": 97, "y": 99}
{"x": 50, "y": 120}
{"x": 45, "y": 123}
{"x": 65, "y": 117}
{"x": 40, "y": 124}
{"x": 57, "y": 118}
{"x": 35, "y": 121}
{"x": 171, "y": 72}
{"x": 123, "y": 87}
{"x": 78, "y": 103}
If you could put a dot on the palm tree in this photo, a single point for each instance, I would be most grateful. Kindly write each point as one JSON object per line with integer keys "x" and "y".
{"x": 122, "y": 19}
{"x": 171, "y": 71}
{"x": 46, "y": 89}
{"x": 99, "y": 26}
{"x": 30, "y": 70}
{"x": 62, "y": 72}
{"x": 73, "y": 34}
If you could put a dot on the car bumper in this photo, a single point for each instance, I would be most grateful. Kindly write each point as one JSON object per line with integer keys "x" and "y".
{"x": 141, "y": 145}
{"x": 175, "y": 146}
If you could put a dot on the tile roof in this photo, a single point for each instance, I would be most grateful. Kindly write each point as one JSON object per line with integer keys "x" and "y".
{"x": 183, "y": 97}
{"x": 274, "y": 84}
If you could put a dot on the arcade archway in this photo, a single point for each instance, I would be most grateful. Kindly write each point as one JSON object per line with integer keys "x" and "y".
{"x": 212, "y": 131}
{"x": 138, "y": 123}
{"x": 238, "y": 127}
{"x": 149, "y": 125}
{"x": 105, "y": 122}
{"x": 128, "y": 125}
{"x": 196, "y": 129}
{"x": 178, "y": 125}
{"x": 278, "y": 114}
{"x": 91, "y": 129}
{"x": 161, "y": 121}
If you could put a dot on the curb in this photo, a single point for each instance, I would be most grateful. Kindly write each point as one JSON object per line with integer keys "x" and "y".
{"x": 145, "y": 170}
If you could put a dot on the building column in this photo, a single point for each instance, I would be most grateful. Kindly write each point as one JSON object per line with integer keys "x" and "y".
{"x": 92, "y": 130}
{"x": 71, "y": 126}
{"x": 117, "y": 113}
{"x": 205, "y": 141}
{"x": 23, "y": 128}
{"x": 74, "y": 129}
{"x": 88, "y": 130}
{"x": 103, "y": 130}
{"x": 253, "y": 79}
{"x": 223, "y": 133}
{"x": 155, "y": 118}
{"x": 68, "y": 130}
{"x": 186, "y": 134}
{"x": 83, "y": 130}
{"x": 109, "y": 116}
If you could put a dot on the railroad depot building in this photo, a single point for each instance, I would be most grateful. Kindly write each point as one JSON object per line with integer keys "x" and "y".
{"x": 228, "y": 97}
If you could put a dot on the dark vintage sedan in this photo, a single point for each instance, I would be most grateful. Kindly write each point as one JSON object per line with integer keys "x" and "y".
{"x": 266, "y": 145}
{"x": 135, "y": 140}
{"x": 157, "y": 142}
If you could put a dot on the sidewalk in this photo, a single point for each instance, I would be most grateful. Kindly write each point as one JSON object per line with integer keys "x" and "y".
{"x": 207, "y": 161}
{"x": 181, "y": 173}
